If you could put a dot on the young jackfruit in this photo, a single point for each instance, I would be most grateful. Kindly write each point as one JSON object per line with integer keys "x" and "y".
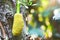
{"x": 18, "y": 24}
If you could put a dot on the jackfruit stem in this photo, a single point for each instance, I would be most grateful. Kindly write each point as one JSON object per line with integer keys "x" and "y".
{"x": 17, "y": 6}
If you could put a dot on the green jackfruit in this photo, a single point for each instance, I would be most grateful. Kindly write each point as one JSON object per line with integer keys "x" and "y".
{"x": 18, "y": 24}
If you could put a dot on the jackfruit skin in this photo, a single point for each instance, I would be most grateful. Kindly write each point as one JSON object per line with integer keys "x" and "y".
{"x": 18, "y": 24}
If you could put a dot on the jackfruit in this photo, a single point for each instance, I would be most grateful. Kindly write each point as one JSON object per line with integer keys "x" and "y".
{"x": 18, "y": 24}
